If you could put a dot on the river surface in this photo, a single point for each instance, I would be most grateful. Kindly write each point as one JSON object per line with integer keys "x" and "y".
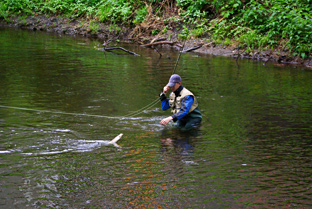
{"x": 62, "y": 100}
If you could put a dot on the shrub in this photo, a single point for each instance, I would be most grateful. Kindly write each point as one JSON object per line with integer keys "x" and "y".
{"x": 140, "y": 15}
{"x": 193, "y": 8}
{"x": 288, "y": 19}
{"x": 114, "y": 10}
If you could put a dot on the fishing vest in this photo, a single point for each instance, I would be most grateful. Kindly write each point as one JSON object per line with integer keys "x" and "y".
{"x": 175, "y": 102}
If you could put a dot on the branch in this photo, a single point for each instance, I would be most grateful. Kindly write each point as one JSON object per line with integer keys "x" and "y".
{"x": 113, "y": 48}
{"x": 157, "y": 39}
{"x": 239, "y": 54}
{"x": 160, "y": 55}
{"x": 191, "y": 49}
{"x": 159, "y": 42}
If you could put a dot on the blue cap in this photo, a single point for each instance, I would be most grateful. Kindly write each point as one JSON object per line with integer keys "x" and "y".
{"x": 175, "y": 78}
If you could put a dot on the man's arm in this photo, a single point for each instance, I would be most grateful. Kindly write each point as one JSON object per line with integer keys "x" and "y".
{"x": 186, "y": 105}
{"x": 164, "y": 101}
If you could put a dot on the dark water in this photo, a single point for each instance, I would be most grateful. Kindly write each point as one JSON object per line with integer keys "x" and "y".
{"x": 253, "y": 149}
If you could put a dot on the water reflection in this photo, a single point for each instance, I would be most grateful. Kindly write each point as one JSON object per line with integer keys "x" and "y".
{"x": 178, "y": 146}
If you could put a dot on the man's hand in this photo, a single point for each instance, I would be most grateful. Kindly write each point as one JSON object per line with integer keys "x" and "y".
{"x": 165, "y": 89}
{"x": 166, "y": 121}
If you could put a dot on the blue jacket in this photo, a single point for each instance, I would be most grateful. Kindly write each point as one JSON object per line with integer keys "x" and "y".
{"x": 186, "y": 105}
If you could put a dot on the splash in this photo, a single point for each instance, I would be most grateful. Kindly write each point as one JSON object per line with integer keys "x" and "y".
{"x": 69, "y": 146}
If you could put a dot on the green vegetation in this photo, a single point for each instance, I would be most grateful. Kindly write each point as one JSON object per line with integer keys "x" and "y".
{"x": 253, "y": 24}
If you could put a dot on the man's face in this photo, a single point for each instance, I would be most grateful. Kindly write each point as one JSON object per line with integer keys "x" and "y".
{"x": 176, "y": 86}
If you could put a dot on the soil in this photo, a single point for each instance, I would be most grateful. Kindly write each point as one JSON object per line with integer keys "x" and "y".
{"x": 142, "y": 35}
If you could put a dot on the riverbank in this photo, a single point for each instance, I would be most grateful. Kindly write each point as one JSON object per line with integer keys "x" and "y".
{"x": 142, "y": 35}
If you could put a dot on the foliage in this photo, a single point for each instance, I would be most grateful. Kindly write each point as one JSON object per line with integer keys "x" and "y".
{"x": 94, "y": 27}
{"x": 193, "y": 8}
{"x": 288, "y": 19}
{"x": 200, "y": 28}
{"x": 252, "y": 23}
{"x": 184, "y": 34}
{"x": 140, "y": 15}
{"x": 155, "y": 32}
{"x": 114, "y": 10}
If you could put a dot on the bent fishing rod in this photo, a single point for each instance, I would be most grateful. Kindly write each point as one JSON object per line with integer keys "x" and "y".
{"x": 135, "y": 113}
{"x": 178, "y": 57}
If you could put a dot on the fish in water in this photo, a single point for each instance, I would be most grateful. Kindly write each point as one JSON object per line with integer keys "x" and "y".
{"x": 115, "y": 140}
{"x": 75, "y": 146}
{"x": 104, "y": 142}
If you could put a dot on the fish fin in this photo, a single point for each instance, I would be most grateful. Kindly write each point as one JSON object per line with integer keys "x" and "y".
{"x": 116, "y": 145}
{"x": 115, "y": 139}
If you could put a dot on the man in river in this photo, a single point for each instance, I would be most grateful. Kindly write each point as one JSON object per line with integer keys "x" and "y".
{"x": 183, "y": 104}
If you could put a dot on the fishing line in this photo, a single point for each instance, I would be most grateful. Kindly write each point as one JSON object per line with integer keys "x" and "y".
{"x": 143, "y": 109}
{"x": 83, "y": 114}
{"x": 135, "y": 113}
{"x": 58, "y": 112}
{"x": 157, "y": 100}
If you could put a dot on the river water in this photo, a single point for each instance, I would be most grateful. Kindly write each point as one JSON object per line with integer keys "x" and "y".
{"x": 62, "y": 100}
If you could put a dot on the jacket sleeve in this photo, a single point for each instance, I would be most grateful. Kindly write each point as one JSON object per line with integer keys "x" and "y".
{"x": 186, "y": 105}
{"x": 165, "y": 104}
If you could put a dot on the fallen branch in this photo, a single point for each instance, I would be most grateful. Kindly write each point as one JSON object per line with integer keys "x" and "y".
{"x": 209, "y": 44}
{"x": 239, "y": 54}
{"x": 157, "y": 39}
{"x": 113, "y": 48}
{"x": 160, "y": 55}
{"x": 159, "y": 42}
{"x": 191, "y": 49}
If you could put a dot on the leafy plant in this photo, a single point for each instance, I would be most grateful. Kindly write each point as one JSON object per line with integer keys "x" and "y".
{"x": 155, "y": 32}
{"x": 114, "y": 11}
{"x": 193, "y": 8}
{"x": 93, "y": 26}
{"x": 200, "y": 28}
{"x": 231, "y": 8}
{"x": 288, "y": 19}
{"x": 114, "y": 28}
{"x": 140, "y": 15}
{"x": 228, "y": 42}
{"x": 184, "y": 34}
{"x": 164, "y": 31}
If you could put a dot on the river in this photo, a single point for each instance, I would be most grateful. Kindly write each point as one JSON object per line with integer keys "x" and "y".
{"x": 62, "y": 100}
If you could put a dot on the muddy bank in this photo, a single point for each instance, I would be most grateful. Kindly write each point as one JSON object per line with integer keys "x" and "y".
{"x": 113, "y": 33}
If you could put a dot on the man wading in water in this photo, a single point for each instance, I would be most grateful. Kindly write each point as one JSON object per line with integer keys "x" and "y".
{"x": 183, "y": 105}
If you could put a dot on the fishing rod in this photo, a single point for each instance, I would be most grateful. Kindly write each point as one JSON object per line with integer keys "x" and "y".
{"x": 179, "y": 57}
{"x": 157, "y": 100}
{"x": 135, "y": 113}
